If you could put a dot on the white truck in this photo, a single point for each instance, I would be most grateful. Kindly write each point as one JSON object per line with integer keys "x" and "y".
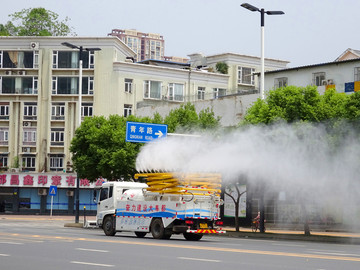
{"x": 130, "y": 206}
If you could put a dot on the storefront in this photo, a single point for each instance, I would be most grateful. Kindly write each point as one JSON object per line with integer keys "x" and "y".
{"x": 28, "y": 193}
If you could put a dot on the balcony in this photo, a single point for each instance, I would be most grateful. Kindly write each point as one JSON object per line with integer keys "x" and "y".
{"x": 18, "y": 85}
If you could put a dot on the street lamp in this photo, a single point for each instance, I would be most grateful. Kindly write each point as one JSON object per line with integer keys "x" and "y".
{"x": 262, "y": 11}
{"x": 81, "y": 49}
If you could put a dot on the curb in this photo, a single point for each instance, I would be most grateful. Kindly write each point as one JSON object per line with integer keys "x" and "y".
{"x": 74, "y": 225}
{"x": 296, "y": 237}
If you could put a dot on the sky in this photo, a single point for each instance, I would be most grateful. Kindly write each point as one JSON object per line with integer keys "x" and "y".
{"x": 310, "y": 31}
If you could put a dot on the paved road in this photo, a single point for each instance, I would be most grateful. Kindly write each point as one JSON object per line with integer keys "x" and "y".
{"x": 43, "y": 243}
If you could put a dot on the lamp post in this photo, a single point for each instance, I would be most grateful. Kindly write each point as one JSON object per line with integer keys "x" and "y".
{"x": 262, "y": 12}
{"x": 81, "y": 49}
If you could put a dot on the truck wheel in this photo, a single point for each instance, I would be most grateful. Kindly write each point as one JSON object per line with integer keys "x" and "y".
{"x": 192, "y": 236}
{"x": 140, "y": 234}
{"x": 157, "y": 229}
{"x": 167, "y": 235}
{"x": 108, "y": 226}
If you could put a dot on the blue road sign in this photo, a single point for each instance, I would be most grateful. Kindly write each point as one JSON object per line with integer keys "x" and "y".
{"x": 53, "y": 190}
{"x": 144, "y": 132}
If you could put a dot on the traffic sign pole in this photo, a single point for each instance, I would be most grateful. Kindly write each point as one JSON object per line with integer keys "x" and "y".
{"x": 52, "y": 193}
{"x": 51, "y": 207}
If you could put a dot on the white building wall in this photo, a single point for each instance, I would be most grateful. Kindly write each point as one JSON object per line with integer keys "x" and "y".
{"x": 339, "y": 72}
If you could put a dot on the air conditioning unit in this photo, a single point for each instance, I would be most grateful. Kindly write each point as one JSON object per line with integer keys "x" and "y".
{"x": 34, "y": 45}
{"x": 42, "y": 191}
{"x": 8, "y": 72}
{"x": 70, "y": 193}
{"x": 324, "y": 82}
{"x": 22, "y": 72}
{"x": 27, "y": 124}
{"x": 330, "y": 82}
{"x": 26, "y": 149}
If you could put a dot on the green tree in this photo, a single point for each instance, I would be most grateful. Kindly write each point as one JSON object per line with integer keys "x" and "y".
{"x": 35, "y": 22}
{"x": 222, "y": 67}
{"x": 292, "y": 104}
{"x": 99, "y": 148}
{"x": 8, "y": 29}
{"x": 186, "y": 119}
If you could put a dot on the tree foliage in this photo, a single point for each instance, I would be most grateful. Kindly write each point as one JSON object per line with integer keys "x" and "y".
{"x": 35, "y": 22}
{"x": 99, "y": 148}
{"x": 293, "y": 104}
{"x": 186, "y": 119}
{"x": 222, "y": 67}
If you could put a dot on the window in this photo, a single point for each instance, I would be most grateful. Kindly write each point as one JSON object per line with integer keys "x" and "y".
{"x": 18, "y": 85}
{"x": 29, "y": 136}
{"x": 58, "y": 111}
{"x": 56, "y": 162}
{"x": 219, "y": 92}
{"x": 88, "y": 86}
{"x": 70, "y": 59}
{"x": 201, "y": 93}
{"x": 70, "y": 85}
{"x": 28, "y": 162}
{"x": 127, "y": 110}
{"x": 4, "y": 111}
{"x": 30, "y": 111}
{"x": 19, "y": 59}
{"x": 57, "y": 136}
{"x": 128, "y": 85}
{"x": 152, "y": 89}
{"x": 106, "y": 193}
{"x": 318, "y": 78}
{"x": 357, "y": 74}
{"x": 87, "y": 109}
{"x": 3, "y": 161}
{"x": 4, "y": 135}
{"x": 280, "y": 82}
{"x": 176, "y": 91}
{"x": 246, "y": 75}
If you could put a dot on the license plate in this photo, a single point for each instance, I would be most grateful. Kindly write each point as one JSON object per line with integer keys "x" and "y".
{"x": 203, "y": 225}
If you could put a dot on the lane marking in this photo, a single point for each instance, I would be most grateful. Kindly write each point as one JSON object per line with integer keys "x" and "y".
{"x": 288, "y": 245}
{"x": 94, "y": 250}
{"x": 198, "y": 259}
{"x": 11, "y": 243}
{"x": 336, "y": 254}
{"x": 93, "y": 264}
{"x": 325, "y": 250}
{"x": 154, "y": 243}
{"x": 4, "y": 255}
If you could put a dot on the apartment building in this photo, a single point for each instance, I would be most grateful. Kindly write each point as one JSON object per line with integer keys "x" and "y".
{"x": 242, "y": 70}
{"x": 145, "y": 45}
{"x": 40, "y": 108}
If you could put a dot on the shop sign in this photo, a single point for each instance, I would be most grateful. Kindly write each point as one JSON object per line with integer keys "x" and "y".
{"x": 42, "y": 180}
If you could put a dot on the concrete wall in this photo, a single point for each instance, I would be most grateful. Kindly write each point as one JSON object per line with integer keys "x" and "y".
{"x": 231, "y": 109}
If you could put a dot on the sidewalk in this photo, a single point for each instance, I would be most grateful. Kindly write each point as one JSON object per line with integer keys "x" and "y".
{"x": 297, "y": 235}
{"x": 245, "y": 232}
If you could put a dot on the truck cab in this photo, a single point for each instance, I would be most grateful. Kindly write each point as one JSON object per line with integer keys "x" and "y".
{"x": 112, "y": 192}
